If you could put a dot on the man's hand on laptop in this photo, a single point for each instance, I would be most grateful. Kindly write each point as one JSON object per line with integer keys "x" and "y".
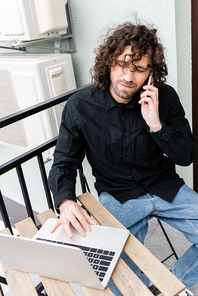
{"x": 72, "y": 213}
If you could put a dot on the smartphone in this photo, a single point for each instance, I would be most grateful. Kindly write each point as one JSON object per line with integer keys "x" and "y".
{"x": 149, "y": 79}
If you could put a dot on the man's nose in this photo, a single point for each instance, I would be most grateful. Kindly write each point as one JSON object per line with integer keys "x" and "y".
{"x": 128, "y": 74}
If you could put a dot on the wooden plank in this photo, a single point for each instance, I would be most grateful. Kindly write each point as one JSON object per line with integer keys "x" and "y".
{"x": 19, "y": 282}
{"x": 46, "y": 215}
{"x": 94, "y": 292}
{"x": 5, "y": 231}
{"x": 56, "y": 288}
{"x": 144, "y": 259}
{"x": 128, "y": 282}
{"x": 53, "y": 287}
{"x": 26, "y": 228}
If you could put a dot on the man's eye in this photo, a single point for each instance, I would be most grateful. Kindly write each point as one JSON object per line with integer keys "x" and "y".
{"x": 140, "y": 70}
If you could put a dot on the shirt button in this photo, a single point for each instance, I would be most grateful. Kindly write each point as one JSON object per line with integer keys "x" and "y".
{"x": 126, "y": 134}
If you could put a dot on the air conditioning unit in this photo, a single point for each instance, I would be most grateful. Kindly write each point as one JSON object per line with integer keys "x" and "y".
{"x": 24, "y": 20}
{"x": 26, "y": 80}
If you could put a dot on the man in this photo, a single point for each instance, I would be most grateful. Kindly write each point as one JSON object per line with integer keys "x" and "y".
{"x": 134, "y": 133}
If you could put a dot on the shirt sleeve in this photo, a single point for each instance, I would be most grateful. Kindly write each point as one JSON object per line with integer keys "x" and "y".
{"x": 68, "y": 156}
{"x": 175, "y": 138}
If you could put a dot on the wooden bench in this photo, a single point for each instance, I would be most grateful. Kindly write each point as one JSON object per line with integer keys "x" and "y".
{"x": 128, "y": 283}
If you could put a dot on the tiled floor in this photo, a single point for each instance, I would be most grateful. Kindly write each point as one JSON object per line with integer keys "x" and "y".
{"x": 155, "y": 242}
{"x": 16, "y": 211}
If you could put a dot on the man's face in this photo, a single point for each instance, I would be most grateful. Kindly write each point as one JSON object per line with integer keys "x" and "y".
{"x": 125, "y": 83}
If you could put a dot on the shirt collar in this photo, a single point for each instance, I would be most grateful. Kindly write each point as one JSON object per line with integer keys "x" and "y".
{"x": 111, "y": 103}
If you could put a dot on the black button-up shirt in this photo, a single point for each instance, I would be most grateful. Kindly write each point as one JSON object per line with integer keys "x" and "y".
{"x": 127, "y": 159}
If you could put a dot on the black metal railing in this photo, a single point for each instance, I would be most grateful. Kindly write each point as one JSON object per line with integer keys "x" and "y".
{"x": 17, "y": 162}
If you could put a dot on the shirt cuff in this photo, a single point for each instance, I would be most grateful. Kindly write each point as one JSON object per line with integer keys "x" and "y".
{"x": 62, "y": 197}
{"x": 163, "y": 134}
{"x": 150, "y": 130}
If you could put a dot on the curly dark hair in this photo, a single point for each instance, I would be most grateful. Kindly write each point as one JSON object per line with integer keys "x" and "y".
{"x": 141, "y": 39}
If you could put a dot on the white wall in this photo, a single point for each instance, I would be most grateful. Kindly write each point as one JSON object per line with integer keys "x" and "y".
{"x": 93, "y": 18}
{"x": 184, "y": 68}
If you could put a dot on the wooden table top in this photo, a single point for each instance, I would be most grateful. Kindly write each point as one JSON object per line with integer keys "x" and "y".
{"x": 20, "y": 283}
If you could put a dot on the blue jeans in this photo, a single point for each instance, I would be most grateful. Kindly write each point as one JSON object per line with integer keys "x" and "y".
{"x": 182, "y": 214}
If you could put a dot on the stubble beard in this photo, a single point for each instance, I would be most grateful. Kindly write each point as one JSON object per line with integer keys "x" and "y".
{"x": 124, "y": 94}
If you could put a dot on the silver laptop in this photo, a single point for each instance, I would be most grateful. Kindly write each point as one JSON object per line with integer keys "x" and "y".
{"x": 87, "y": 261}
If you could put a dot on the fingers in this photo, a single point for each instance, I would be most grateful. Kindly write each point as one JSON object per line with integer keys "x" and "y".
{"x": 72, "y": 213}
{"x": 146, "y": 99}
{"x": 150, "y": 95}
{"x": 56, "y": 225}
{"x": 90, "y": 220}
{"x": 149, "y": 107}
{"x": 78, "y": 220}
{"x": 67, "y": 227}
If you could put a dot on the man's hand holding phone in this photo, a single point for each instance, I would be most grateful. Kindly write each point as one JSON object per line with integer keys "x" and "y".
{"x": 149, "y": 105}
{"x": 72, "y": 213}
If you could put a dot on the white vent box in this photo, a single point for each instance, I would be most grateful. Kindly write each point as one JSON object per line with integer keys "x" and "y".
{"x": 26, "y": 80}
{"x": 25, "y": 20}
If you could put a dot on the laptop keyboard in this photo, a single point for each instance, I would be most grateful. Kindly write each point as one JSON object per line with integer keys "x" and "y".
{"x": 99, "y": 259}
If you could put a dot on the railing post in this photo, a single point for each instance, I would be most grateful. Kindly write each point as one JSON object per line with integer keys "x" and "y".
{"x": 44, "y": 179}
{"x": 4, "y": 213}
{"x": 83, "y": 181}
{"x": 25, "y": 192}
